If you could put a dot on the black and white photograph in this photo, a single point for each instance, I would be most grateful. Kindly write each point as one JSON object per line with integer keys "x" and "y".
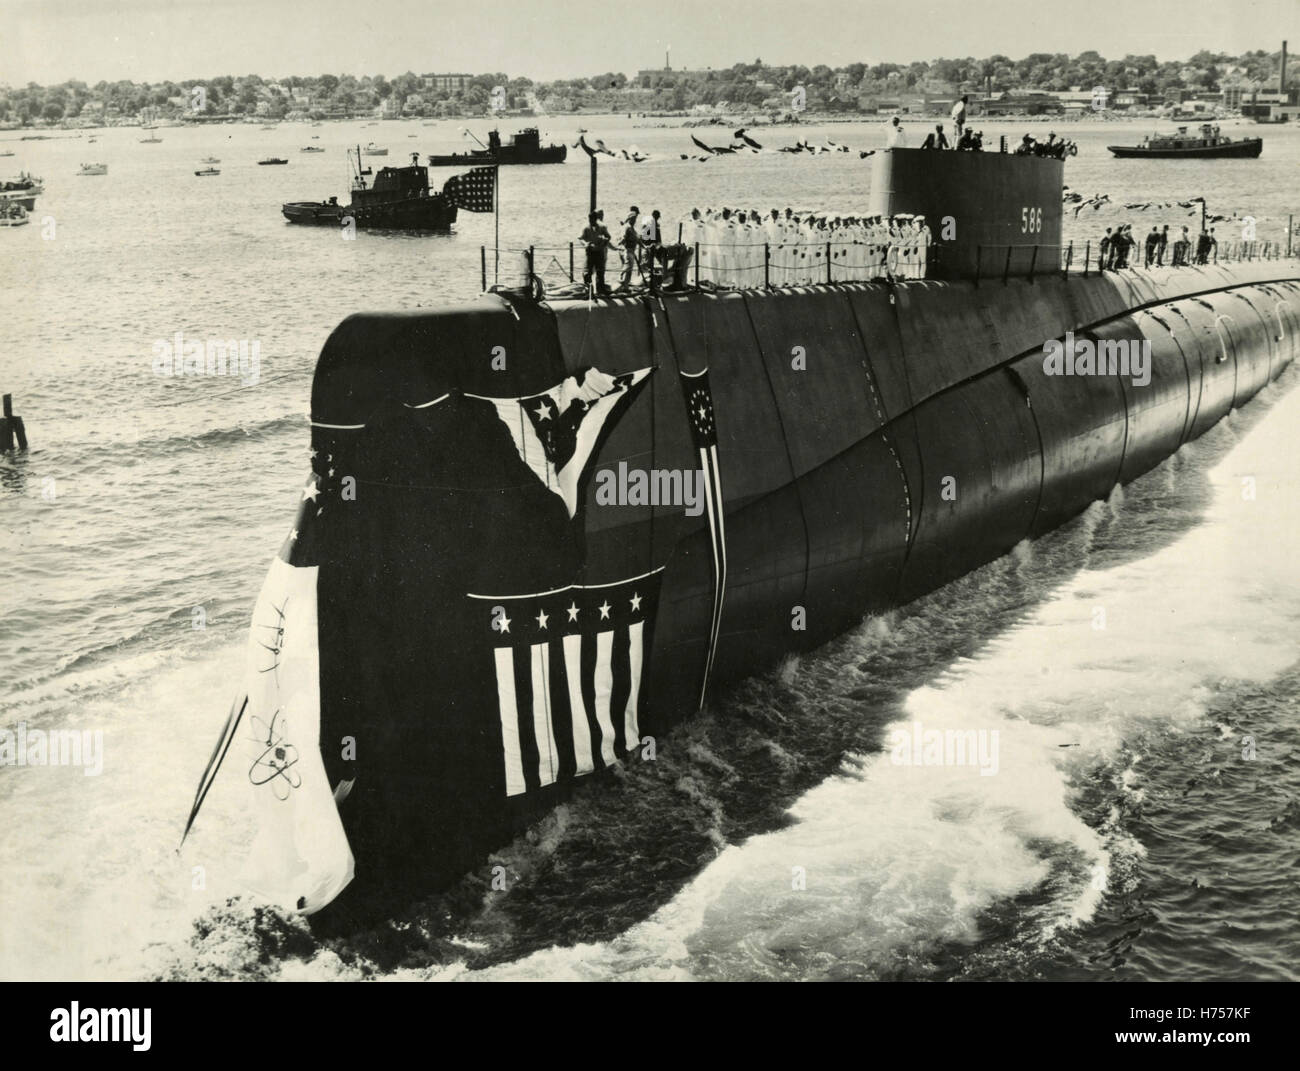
{"x": 727, "y": 492}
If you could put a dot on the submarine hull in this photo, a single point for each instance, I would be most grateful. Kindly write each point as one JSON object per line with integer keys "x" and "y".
{"x": 485, "y": 644}
{"x": 538, "y": 536}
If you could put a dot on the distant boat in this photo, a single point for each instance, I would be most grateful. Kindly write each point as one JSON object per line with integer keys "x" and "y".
{"x": 151, "y": 141}
{"x": 372, "y": 149}
{"x": 93, "y": 169}
{"x": 1182, "y": 145}
{"x": 210, "y": 160}
{"x": 524, "y": 148}
{"x": 22, "y": 191}
{"x": 7, "y": 153}
{"x": 208, "y": 171}
{"x": 315, "y": 137}
{"x": 271, "y": 160}
{"x": 269, "y": 126}
{"x": 13, "y": 217}
{"x": 311, "y": 148}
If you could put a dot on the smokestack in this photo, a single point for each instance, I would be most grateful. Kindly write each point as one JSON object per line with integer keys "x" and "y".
{"x": 1281, "y": 78}
{"x": 668, "y": 57}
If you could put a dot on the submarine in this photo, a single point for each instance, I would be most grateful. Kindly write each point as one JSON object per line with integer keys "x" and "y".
{"x": 463, "y": 624}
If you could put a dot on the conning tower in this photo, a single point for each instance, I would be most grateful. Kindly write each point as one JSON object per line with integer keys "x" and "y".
{"x": 990, "y": 212}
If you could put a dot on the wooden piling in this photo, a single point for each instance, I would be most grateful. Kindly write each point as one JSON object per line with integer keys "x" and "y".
{"x": 11, "y": 427}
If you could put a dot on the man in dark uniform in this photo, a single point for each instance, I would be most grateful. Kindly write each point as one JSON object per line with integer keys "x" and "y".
{"x": 597, "y": 241}
{"x": 1153, "y": 240}
{"x": 1161, "y": 246}
{"x": 935, "y": 140}
{"x": 1105, "y": 259}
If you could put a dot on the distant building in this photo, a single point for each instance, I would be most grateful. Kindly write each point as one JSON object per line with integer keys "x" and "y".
{"x": 446, "y": 83}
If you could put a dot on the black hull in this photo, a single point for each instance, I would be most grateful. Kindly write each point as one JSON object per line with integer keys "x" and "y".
{"x": 555, "y": 154}
{"x": 415, "y": 213}
{"x": 1249, "y": 148}
{"x": 822, "y": 480}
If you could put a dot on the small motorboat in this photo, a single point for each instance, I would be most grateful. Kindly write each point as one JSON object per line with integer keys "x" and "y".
{"x": 271, "y": 160}
{"x": 151, "y": 140}
{"x": 372, "y": 149}
{"x": 311, "y": 148}
{"x": 210, "y": 160}
{"x": 7, "y": 152}
{"x": 93, "y": 169}
{"x": 13, "y": 216}
{"x": 207, "y": 172}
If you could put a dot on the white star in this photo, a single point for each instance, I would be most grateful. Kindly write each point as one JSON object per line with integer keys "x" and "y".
{"x": 310, "y": 491}
{"x": 573, "y": 611}
{"x": 542, "y": 412}
{"x": 542, "y": 619}
{"x": 331, "y": 472}
{"x": 313, "y": 453}
{"x": 505, "y": 623}
{"x": 294, "y": 534}
{"x": 700, "y": 410}
{"x": 635, "y": 601}
{"x": 604, "y": 610}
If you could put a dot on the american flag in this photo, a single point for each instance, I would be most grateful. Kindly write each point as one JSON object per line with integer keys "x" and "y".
{"x": 569, "y": 671}
{"x": 473, "y": 191}
{"x": 704, "y": 431}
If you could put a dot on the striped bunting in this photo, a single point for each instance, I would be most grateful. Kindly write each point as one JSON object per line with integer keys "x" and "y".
{"x": 568, "y": 666}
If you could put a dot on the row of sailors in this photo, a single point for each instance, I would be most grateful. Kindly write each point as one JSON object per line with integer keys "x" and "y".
{"x": 731, "y": 247}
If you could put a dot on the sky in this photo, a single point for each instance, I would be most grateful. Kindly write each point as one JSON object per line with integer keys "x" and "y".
{"x": 50, "y": 41}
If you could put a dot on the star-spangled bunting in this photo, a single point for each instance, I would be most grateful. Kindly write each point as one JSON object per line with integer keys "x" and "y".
{"x": 568, "y": 676}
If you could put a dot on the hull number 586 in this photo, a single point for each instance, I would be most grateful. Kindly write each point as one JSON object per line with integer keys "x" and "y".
{"x": 1031, "y": 220}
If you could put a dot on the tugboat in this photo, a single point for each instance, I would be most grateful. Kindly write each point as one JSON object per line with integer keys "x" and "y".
{"x": 524, "y": 148}
{"x": 1182, "y": 145}
{"x": 399, "y": 199}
